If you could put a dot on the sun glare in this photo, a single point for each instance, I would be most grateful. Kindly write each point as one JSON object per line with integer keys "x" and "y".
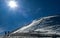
{"x": 12, "y": 4}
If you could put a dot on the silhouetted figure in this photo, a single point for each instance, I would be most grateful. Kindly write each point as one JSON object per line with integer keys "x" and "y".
{"x": 8, "y": 33}
{"x": 5, "y": 36}
{"x": 5, "y": 33}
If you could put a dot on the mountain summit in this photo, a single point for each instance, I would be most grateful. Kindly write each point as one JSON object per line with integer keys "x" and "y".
{"x": 45, "y": 25}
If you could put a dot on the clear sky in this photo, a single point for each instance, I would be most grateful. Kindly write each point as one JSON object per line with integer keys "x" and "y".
{"x": 26, "y": 12}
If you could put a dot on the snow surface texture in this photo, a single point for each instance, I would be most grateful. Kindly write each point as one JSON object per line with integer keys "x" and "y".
{"x": 45, "y": 25}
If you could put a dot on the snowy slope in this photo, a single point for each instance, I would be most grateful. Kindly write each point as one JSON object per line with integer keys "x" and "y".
{"x": 45, "y": 25}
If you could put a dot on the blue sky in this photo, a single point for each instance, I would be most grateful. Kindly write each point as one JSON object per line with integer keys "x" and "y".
{"x": 27, "y": 11}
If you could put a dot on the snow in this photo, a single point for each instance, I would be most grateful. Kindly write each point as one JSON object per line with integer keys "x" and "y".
{"x": 36, "y": 26}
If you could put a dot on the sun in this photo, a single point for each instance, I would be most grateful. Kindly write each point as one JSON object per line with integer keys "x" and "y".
{"x": 12, "y": 4}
